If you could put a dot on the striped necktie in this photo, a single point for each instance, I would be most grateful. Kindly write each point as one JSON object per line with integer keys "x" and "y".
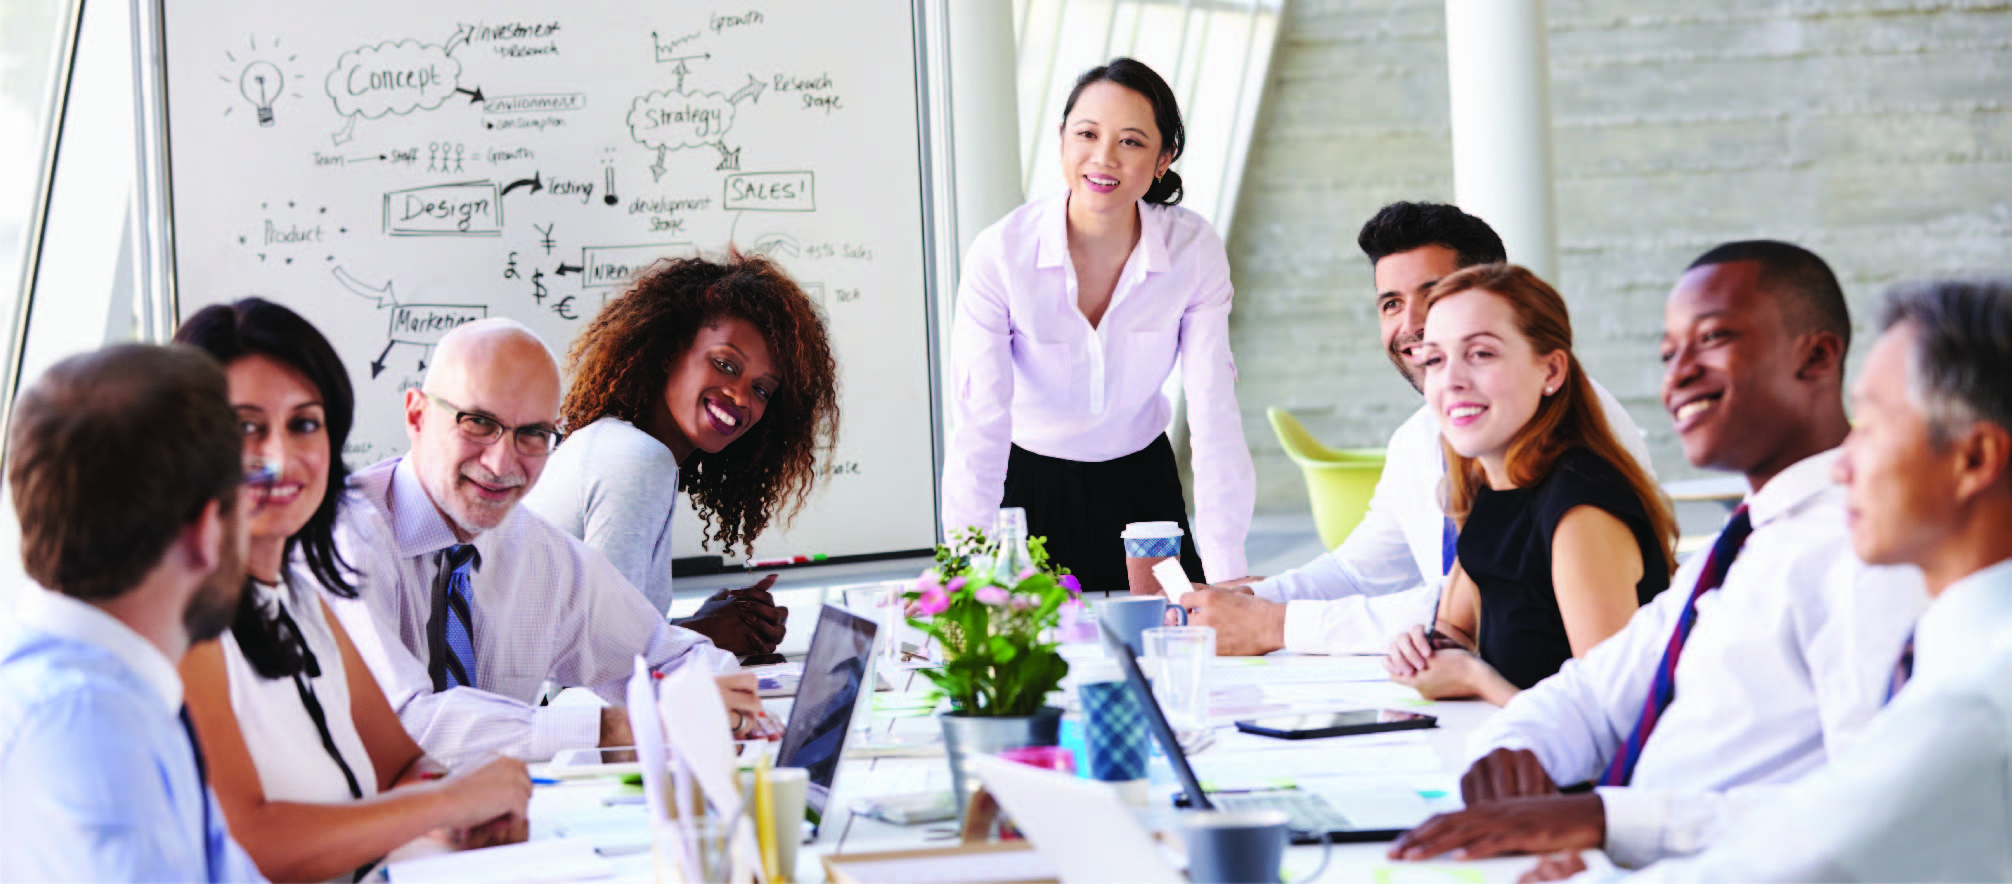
{"x": 1902, "y": 670}
{"x": 456, "y": 666}
{"x": 1664, "y": 688}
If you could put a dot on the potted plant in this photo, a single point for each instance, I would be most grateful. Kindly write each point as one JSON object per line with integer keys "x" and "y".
{"x": 991, "y": 608}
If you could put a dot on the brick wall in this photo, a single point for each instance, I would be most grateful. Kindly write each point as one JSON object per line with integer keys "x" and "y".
{"x": 1876, "y": 132}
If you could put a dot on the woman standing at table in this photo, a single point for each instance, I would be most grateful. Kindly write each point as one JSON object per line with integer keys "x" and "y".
{"x": 1562, "y": 534}
{"x": 315, "y": 775}
{"x": 1071, "y": 314}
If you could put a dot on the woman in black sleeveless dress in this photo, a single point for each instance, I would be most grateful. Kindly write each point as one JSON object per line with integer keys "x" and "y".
{"x": 1562, "y": 534}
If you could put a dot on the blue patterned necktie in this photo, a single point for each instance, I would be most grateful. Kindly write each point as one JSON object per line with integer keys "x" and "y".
{"x": 1903, "y": 670}
{"x": 458, "y": 563}
{"x": 1664, "y": 688}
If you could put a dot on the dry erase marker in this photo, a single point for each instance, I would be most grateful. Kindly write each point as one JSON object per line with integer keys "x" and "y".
{"x": 788, "y": 560}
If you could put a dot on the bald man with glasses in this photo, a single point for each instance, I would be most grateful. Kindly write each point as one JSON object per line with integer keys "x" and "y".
{"x": 468, "y": 603}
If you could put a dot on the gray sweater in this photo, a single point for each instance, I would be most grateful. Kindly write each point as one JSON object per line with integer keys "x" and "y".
{"x": 615, "y": 487}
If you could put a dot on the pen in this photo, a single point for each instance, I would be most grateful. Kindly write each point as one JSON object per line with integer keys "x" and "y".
{"x": 786, "y": 560}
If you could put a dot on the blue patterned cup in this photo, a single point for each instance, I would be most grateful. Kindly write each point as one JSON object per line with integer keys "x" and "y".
{"x": 1148, "y": 544}
{"x": 1114, "y": 732}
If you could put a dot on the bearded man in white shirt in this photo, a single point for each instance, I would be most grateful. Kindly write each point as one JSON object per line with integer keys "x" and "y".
{"x": 1769, "y": 653}
{"x": 1926, "y": 793}
{"x": 1385, "y": 577}
{"x": 467, "y": 604}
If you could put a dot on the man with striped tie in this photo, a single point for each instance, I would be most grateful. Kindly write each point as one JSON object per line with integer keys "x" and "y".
{"x": 467, "y": 603}
{"x": 1926, "y": 793}
{"x": 1750, "y": 670}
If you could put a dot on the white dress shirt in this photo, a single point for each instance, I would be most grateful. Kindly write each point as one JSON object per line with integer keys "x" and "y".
{"x": 1788, "y": 659}
{"x": 545, "y": 606}
{"x": 284, "y": 744}
{"x": 1385, "y": 576}
{"x": 1028, "y": 370}
{"x": 1926, "y": 792}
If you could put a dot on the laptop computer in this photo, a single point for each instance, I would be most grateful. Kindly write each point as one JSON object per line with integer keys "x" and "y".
{"x": 1313, "y": 817}
{"x": 820, "y": 721}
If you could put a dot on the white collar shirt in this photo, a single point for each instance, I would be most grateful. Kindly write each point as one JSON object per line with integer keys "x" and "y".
{"x": 545, "y": 607}
{"x": 1386, "y": 575}
{"x": 1029, "y": 370}
{"x": 1925, "y": 794}
{"x": 1771, "y": 678}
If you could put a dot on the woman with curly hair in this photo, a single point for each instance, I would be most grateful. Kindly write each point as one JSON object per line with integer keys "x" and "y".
{"x": 714, "y": 377}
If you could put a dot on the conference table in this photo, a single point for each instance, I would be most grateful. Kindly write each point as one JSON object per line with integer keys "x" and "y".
{"x": 898, "y": 750}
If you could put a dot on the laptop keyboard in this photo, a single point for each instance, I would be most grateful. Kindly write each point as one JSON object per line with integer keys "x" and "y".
{"x": 1308, "y": 812}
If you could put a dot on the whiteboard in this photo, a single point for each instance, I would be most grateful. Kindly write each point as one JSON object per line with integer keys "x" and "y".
{"x": 392, "y": 169}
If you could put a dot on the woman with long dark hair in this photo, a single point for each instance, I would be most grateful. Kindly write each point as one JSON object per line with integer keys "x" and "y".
{"x": 315, "y": 774}
{"x": 711, "y": 377}
{"x": 1072, "y": 312}
{"x": 1562, "y": 534}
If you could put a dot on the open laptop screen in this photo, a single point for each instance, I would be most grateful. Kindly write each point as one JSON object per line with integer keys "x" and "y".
{"x": 819, "y": 719}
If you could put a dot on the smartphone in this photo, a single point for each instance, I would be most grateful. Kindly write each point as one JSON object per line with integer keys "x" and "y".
{"x": 1337, "y": 724}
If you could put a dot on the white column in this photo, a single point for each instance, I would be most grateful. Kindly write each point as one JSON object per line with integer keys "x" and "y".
{"x": 985, "y": 122}
{"x": 1499, "y": 73}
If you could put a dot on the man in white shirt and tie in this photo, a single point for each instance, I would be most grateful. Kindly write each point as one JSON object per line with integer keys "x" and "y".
{"x": 1769, "y": 652}
{"x": 1385, "y": 576}
{"x": 1926, "y": 792}
{"x": 467, "y": 603}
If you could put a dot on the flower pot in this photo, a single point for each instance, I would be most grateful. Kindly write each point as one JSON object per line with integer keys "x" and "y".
{"x": 969, "y": 736}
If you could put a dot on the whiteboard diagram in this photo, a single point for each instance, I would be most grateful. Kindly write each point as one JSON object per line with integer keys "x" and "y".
{"x": 393, "y": 170}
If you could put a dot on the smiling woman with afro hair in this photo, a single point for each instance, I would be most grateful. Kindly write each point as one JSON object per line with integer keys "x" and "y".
{"x": 711, "y": 377}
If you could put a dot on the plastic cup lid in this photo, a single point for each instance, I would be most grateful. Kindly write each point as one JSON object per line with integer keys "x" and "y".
{"x": 1142, "y": 530}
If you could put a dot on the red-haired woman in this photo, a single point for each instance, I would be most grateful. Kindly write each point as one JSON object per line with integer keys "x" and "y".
{"x": 1562, "y": 534}
{"x": 714, "y": 377}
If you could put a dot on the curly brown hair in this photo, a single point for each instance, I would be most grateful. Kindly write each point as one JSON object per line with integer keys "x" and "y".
{"x": 622, "y": 361}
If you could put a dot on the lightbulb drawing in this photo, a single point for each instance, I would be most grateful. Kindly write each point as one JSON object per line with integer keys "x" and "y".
{"x": 260, "y": 84}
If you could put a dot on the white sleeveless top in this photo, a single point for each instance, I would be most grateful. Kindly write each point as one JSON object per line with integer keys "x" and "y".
{"x": 285, "y": 745}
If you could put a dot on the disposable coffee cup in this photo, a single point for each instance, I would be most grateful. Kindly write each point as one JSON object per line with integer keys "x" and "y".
{"x": 1148, "y": 544}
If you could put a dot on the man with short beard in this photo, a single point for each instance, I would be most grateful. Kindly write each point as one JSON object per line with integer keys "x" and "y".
{"x": 467, "y": 604}
{"x": 126, "y": 467}
{"x": 1385, "y": 576}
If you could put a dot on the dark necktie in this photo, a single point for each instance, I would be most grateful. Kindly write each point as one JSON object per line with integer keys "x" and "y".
{"x": 202, "y": 794}
{"x": 454, "y": 656}
{"x": 1902, "y": 670}
{"x": 1664, "y": 689}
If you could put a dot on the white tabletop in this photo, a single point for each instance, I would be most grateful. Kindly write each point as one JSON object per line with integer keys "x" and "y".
{"x": 577, "y": 806}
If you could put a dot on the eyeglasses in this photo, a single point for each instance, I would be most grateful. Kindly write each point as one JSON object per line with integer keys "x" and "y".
{"x": 532, "y": 440}
{"x": 260, "y": 477}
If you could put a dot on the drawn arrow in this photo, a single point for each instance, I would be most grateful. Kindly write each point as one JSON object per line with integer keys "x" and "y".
{"x": 461, "y": 35}
{"x": 533, "y": 181}
{"x": 565, "y": 268}
{"x": 474, "y": 97}
{"x": 382, "y": 296}
{"x": 377, "y": 365}
{"x": 730, "y": 158}
{"x": 347, "y": 131}
{"x": 751, "y": 91}
{"x": 657, "y": 169}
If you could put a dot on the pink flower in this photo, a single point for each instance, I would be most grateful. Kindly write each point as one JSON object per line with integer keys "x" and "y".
{"x": 933, "y": 601}
{"x": 1070, "y": 583}
{"x": 991, "y": 595}
{"x": 929, "y": 579}
{"x": 1024, "y": 574}
{"x": 1025, "y": 603}
{"x": 956, "y": 583}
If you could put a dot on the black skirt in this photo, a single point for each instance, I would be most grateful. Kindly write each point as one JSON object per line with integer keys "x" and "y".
{"x": 1082, "y": 508}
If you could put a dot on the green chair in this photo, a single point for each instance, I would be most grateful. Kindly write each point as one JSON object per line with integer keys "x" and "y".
{"x": 1339, "y": 481}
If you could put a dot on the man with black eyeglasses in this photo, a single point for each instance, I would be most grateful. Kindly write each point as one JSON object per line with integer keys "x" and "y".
{"x": 467, "y": 603}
